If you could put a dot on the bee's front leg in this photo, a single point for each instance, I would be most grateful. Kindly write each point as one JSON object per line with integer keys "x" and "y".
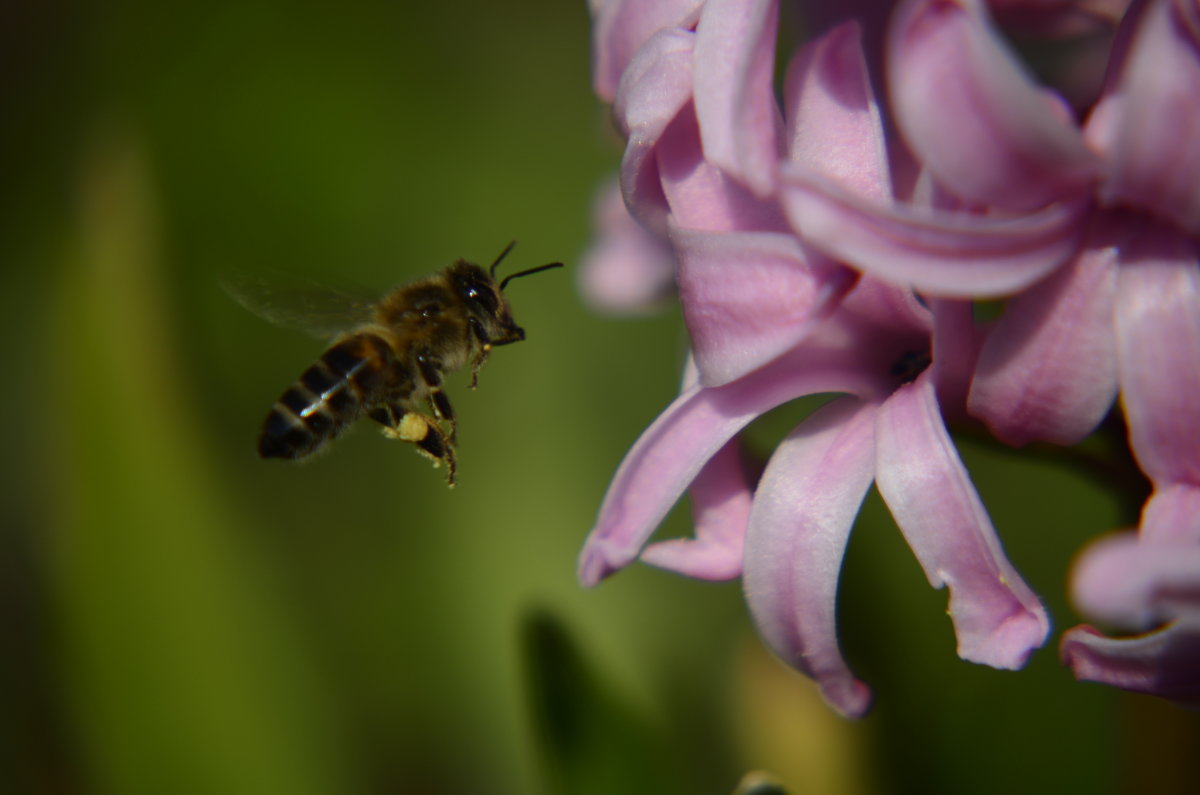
{"x": 485, "y": 347}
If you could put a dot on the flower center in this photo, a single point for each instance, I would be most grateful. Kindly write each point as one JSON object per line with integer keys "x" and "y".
{"x": 909, "y": 365}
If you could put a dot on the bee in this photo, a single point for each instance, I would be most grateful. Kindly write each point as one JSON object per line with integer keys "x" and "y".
{"x": 390, "y": 367}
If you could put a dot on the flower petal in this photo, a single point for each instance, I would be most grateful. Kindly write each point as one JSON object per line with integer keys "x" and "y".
{"x": 702, "y": 196}
{"x": 949, "y": 254}
{"x": 750, "y": 296}
{"x": 1172, "y": 516}
{"x": 957, "y": 340}
{"x": 1048, "y": 369}
{"x": 621, "y": 27}
{"x": 1156, "y": 96}
{"x": 1162, "y": 663}
{"x": 799, "y": 526}
{"x": 1123, "y": 581}
{"x": 672, "y": 451}
{"x": 655, "y": 88}
{"x": 1158, "y": 355}
{"x": 833, "y": 121}
{"x": 974, "y": 116}
{"x": 735, "y": 100}
{"x": 626, "y": 269}
{"x": 997, "y": 619}
{"x": 721, "y": 497}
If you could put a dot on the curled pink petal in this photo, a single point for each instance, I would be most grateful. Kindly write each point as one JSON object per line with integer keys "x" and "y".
{"x": 748, "y": 297}
{"x": 948, "y": 254}
{"x": 1158, "y": 333}
{"x": 721, "y": 496}
{"x": 997, "y": 618}
{"x": 701, "y": 195}
{"x": 1048, "y": 369}
{"x": 621, "y": 27}
{"x": 1156, "y": 94}
{"x": 1161, "y": 663}
{"x": 626, "y": 269}
{"x": 833, "y": 121}
{"x": 654, "y": 90}
{"x": 735, "y": 101}
{"x": 672, "y": 451}
{"x": 657, "y": 84}
{"x": 1135, "y": 585}
{"x": 802, "y": 515}
{"x": 973, "y": 114}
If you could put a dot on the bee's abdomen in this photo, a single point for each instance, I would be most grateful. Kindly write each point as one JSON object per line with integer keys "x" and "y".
{"x": 327, "y": 398}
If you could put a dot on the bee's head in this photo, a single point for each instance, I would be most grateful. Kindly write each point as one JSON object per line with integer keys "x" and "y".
{"x": 485, "y": 298}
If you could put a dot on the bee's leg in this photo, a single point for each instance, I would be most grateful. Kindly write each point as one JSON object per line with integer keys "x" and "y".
{"x": 431, "y": 373}
{"x": 430, "y": 440}
{"x": 421, "y": 430}
{"x": 485, "y": 347}
{"x": 386, "y": 415}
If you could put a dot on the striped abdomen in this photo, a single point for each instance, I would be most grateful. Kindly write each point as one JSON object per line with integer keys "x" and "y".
{"x": 329, "y": 396}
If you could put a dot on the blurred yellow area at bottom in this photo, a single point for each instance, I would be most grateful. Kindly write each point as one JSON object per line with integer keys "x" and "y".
{"x": 787, "y": 731}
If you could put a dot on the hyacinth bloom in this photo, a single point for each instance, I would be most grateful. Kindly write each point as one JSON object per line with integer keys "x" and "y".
{"x": 1087, "y": 221}
{"x": 772, "y": 319}
{"x": 1121, "y": 314}
{"x": 788, "y": 536}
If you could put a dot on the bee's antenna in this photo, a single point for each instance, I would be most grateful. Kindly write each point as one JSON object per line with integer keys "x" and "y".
{"x": 503, "y": 254}
{"x": 538, "y": 269}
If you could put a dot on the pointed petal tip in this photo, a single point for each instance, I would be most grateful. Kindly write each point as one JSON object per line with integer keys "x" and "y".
{"x": 1010, "y": 644}
{"x": 595, "y": 566}
{"x": 847, "y": 695}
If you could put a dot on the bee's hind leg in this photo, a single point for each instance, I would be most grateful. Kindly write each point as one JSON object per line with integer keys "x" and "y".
{"x": 423, "y": 431}
{"x": 431, "y": 374}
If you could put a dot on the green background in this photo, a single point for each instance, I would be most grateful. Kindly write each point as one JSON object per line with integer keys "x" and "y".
{"x": 178, "y": 616}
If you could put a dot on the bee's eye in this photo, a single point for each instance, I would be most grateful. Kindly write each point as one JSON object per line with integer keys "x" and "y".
{"x": 482, "y": 296}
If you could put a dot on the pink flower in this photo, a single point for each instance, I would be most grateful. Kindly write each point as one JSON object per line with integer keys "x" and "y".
{"x": 995, "y": 189}
{"x": 771, "y": 319}
{"x": 787, "y": 536}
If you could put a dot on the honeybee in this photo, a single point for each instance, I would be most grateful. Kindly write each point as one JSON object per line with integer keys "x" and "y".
{"x": 390, "y": 366}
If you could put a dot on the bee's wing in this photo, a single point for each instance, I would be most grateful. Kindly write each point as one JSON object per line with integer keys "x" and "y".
{"x": 313, "y": 308}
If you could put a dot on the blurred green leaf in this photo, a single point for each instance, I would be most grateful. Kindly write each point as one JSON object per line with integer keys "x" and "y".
{"x": 184, "y": 675}
{"x": 592, "y": 740}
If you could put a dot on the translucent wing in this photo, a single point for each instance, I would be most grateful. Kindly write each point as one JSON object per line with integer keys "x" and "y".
{"x": 299, "y": 304}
